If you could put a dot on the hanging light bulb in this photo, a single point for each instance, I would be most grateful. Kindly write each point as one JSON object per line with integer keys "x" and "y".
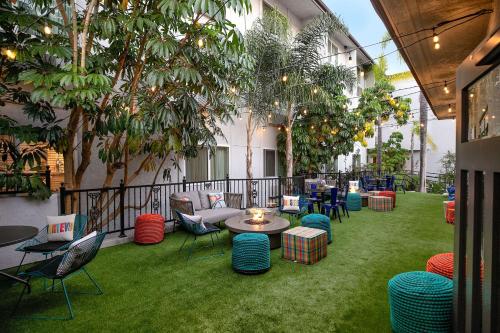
{"x": 47, "y": 30}
{"x": 445, "y": 88}
{"x": 350, "y": 57}
{"x": 312, "y": 126}
{"x": 437, "y": 46}
{"x": 287, "y": 129}
{"x": 435, "y": 37}
{"x": 10, "y": 54}
{"x": 233, "y": 90}
{"x": 449, "y": 108}
{"x": 325, "y": 120}
{"x": 284, "y": 78}
{"x": 304, "y": 112}
{"x": 276, "y": 103}
{"x": 362, "y": 73}
{"x": 421, "y": 125}
{"x": 200, "y": 42}
{"x": 153, "y": 88}
{"x": 315, "y": 90}
{"x": 250, "y": 111}
{"x": 269, "y": 115}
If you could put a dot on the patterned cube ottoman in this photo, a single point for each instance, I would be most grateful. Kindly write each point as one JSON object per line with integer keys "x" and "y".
{"x": 390, "y": 194}
{"x": 373, "y": 192}
{"x": 379, "y": 203}
{"x": 304, "y": 245}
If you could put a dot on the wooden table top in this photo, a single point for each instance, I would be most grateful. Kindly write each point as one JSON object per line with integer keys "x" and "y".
{"x": 276, "y": 225}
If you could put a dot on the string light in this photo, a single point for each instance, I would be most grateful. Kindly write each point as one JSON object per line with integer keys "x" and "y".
{"x": 233, "y": 90}
{"x": 276, "y": 103}
{"x": 325, "y": 120}
{"x": 471, "y": 95}
{"x": 312, "y": 127}
{"x": 287, "y": 129}
{"x": 449, "y": 108}
{"x": 284, "y": 78}
{"x": 304, "y": 112}
{"x": 445, "y": 88}
{"x": 269, "y": 115}
{"x": 362, "y": 73}
{"x": 11, "y": 54}
{"x": 315, "y": 90}
{"x": 435, "y": 37}
{"x": 421, "y": 125}
{"x": 153, "y": 88}
{"x": 250, "y": 111}
{"x": 47, "y": 30}
{"x": 201, "y": 43}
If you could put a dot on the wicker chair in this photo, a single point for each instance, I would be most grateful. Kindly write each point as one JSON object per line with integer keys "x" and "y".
{"x": 63, "y": 266}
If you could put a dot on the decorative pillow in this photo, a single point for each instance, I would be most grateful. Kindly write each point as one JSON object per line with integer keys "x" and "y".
{"x": 217, "y": 200}
{"x": 291, "y": 203}
{"x": 205, "y": 203}
{"x": 60, "y": 228}
{"x": 196, "y": 221}
{"x": 74, "y": 256}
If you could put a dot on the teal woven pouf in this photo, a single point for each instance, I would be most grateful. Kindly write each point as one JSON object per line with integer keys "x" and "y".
{"x": 318, "y": 221}
{"x": 251, "y": 253}
{"x": 353, "y": 201}
{"x": 420, "y": 302}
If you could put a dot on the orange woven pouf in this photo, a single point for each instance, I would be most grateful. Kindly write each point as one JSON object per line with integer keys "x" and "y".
{"x": 441, "y": 264}
{"x": 389, "y": 194}
{"x": 450, "y": 212}
{"x": 149, "y": 229}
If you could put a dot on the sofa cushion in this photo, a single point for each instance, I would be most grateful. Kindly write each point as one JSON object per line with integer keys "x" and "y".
{"x": 192, "y": 195}
{"x": 205, "y": 203}
{"x": 218, "y": 215}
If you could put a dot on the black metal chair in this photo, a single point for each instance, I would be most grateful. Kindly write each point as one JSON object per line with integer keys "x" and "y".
{"x": 195, "y": 230}
{"x": 40, "y": 243}
{"x": 61, "y": 267}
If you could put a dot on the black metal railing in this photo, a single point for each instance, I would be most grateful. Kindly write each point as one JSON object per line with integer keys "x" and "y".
{"x": 114, "y": 209}
{"x": 19, "y": 183}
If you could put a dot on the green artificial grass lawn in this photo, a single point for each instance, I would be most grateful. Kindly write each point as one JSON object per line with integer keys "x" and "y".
{"x": 153, "y": 288}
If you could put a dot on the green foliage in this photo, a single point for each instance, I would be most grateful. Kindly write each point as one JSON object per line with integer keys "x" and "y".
{"x": 448, "y": 167}
{"x": 393, "y": 155}
{"x": 168, "y": 77}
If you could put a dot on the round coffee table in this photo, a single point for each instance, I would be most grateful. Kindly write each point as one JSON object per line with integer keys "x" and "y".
{"x": 275, "y": 226}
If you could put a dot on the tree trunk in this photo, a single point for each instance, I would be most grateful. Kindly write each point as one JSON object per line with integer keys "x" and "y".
{"x": 289, "y": 144}
{"x": 379, "y": 146}
{"x": 423, "y": 143}
{"x": 412, "y": 146}
{"x": 250, "y": 131}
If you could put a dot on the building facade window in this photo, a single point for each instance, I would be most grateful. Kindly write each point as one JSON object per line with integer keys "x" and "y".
{"x": 197, "y": 167}
{"x": 269, "y": 163}
{"x": 219, "y": 163}
{"x": 332, "y": 52}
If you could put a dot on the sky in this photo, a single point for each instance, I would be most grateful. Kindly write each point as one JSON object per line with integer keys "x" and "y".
{"x": 367, "y": 28}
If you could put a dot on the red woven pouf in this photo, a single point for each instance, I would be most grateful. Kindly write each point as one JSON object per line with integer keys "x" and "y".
{"x": 149, "y": 229}
{"x": 450, "y": 212}
{"x": 441, "y": 264}
{"x": 389, "y": 194}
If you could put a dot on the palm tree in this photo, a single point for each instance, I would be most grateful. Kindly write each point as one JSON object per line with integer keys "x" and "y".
{"x": 423, "y": 142}
{"x": 415, "y": 130}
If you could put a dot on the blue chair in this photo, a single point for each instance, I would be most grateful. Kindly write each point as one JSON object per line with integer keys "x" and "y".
{"x": 314, "y": 199}
{"x": 195, "y": 230}
{"x": 304, "y": 206}
{"x": 342, "y": 200}
{"x": 371, "y": 184}
{"x": 389, "y": 184}
{"x": 451, "y": 192}
{"x": 40, "y": 243}
{"x": 333, "y": 206}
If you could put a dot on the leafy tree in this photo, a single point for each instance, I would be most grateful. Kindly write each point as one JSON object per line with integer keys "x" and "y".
{"x": 394, "y": 155}
{"x": 138, "y": 80}
{"x": 290, "y": 78}
{"x": 448, "y": 167}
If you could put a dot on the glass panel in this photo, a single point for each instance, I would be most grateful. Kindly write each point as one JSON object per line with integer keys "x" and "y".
{"x": 269, "y": 163}
{"x": 484, "y": 106}
{"x": 219, "y": 163}
{"x": 197, "y": 168}
{"x": 495, "y": 270}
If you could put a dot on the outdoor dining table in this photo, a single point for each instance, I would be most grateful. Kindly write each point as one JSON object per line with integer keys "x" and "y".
{"x": 13, "y": 234}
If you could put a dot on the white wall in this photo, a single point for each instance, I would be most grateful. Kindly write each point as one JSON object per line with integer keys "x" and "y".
{"x": 24, "y": 211}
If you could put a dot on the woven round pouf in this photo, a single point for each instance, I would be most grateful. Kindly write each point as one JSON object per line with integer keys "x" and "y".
{"x": 441, "y": 264}
{"x": 379, "y": 203}
{"x": 389, "y": 194}
{"x": 353, "y": 201}
{"x": 251, "y": 253}
{"x": 149, "y": 229}
{"x": 450, "y": 212}
{"x": 318, "y": 221}
{"x": 420, "y": 302}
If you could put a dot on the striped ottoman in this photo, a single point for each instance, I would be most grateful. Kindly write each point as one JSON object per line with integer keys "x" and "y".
{"x": 149, "y": 229}
{"x": 251, "y": 253}
{"x": 379, "y": 203}
{"x": 304, "y": 245}
{"x": 353, "y": 201}
{"x": 389, "y": 194}
{"x": 441, "y": 264}
{"x": 450, "y": 212}
{"x": 420, "y": 302}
